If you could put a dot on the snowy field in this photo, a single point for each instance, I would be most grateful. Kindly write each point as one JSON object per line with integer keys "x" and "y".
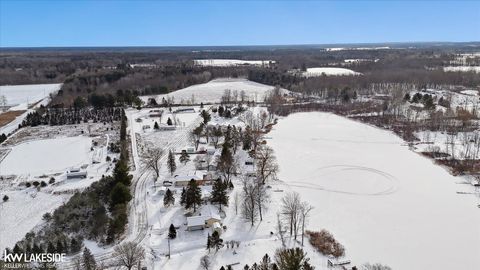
{"x": 213, "y": 91}
{"x": 475, "y": 69}
{"x": 328, "y": 71}
{"x": 230, "y": 62}
{"x": 22, "y": 95}
{"x": 23, "y": 212}
{"x": 43, "y": 156}
{"x": 384, "y": 202}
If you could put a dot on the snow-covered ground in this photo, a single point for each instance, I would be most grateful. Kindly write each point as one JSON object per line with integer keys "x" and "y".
{"x": 335, "y": 49}
{"x": 328, "y": 71}
{"x": 213, "y": 91}
{"x": 475, "y": 69}
{"x": 45, "y": 156}
{"x": 231, "y": 62}
{"x": 384, "y": 202}
{"x": 22, "y": 95}
{"x": 23, "y": 212}
{"x": 40, "y": 154}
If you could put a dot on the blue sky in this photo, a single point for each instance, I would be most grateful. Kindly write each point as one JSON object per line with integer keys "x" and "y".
{"x": 200, "y": 23}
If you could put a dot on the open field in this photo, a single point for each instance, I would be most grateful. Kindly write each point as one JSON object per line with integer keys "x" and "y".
{"x": 213, "y": 91}
{"x": 22, "y": 95}
{"x": 231, "y": 62}
{"x": 328, "y": 71}
{"x": 372, "y": 192}
{"x": 44, "y": 156}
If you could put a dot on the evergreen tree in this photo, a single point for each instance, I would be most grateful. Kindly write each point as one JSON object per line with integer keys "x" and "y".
{"x": 5, "y": 198}
{"x": 193, "y": 195}
{"x": 168, "y": 198}
{"x": 156, "y": 126}
{"x": 206, "y": 116}
{"x": 120, "y": 173}
{"x": 209, "y": 243}
{"x": 265, "y": 263}
{"x": 172, "y": 232}
{"x": 88, "y": 260}
{"x": 17, "y": 249}
{"x": 119, "y": 194}
{"x": 226, "y": 163}
{"x": 215, "y": 241}
{"x": 292, "y": 259}
{"x": 183, "y": 196}
{"x": 75, "y": 245}
{"x": 37, "y": 249}
{"x": 184, "y": 157}
{"x": 221, "y": 110}
{"x": 172, "y": 166}
{"x": 169, "y": 121}
{"x": 219, "y": 193}
{"x": 60, "y": 247}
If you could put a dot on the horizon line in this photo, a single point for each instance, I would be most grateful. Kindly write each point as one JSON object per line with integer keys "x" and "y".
{"x": 250, "y": 45}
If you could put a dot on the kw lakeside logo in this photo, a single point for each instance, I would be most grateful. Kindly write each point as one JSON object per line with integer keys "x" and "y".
{"x": 21, "y": 260}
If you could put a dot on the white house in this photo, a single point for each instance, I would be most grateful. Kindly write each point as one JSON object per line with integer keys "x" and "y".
{"x": 76, "y": 173}
{"x": 201, "y": 177}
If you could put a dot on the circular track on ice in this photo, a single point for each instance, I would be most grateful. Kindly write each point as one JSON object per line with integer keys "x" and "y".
{"x": 349, "y": 179}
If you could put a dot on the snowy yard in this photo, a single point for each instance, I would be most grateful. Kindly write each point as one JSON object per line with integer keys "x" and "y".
{"x": 384, "y": 202}
{"x": 213, "y": 91}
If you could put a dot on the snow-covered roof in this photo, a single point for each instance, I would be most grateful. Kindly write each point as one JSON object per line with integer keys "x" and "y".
{"x": 195, "y": 221}
{"x": 195, "y": 175}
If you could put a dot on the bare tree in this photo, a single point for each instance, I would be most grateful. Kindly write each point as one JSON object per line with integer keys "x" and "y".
{"x": 305, "y": 209}
{"x": 267, "y": 165}
{"x": 376, "y": 266}
{"x": 291, "y": 205}
{"x": 262, "y": 197}
{"x": 152, "y": 158}
{"x": 249, "y": 205}
{"x": 205, "y": 262}
{"x": 236, "y": 201}
{"x": 195, "y": 135}
{"x": 129, "y": 254}
{"x": 215, "y": 135}
{"x": 281, "y": 231}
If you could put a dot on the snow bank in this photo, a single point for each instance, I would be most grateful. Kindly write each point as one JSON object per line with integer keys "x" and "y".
{"x": 384, "y": 202}
{"x": 213, "y": 91}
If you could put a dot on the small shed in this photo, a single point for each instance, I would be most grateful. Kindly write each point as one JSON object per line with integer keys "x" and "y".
{"x": 195, "y": 223}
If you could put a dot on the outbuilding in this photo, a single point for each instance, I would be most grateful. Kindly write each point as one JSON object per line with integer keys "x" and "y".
{"x": 195, "y": 223}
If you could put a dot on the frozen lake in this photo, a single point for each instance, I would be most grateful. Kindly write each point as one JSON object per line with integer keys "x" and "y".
{"x": 384, "y": 202}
